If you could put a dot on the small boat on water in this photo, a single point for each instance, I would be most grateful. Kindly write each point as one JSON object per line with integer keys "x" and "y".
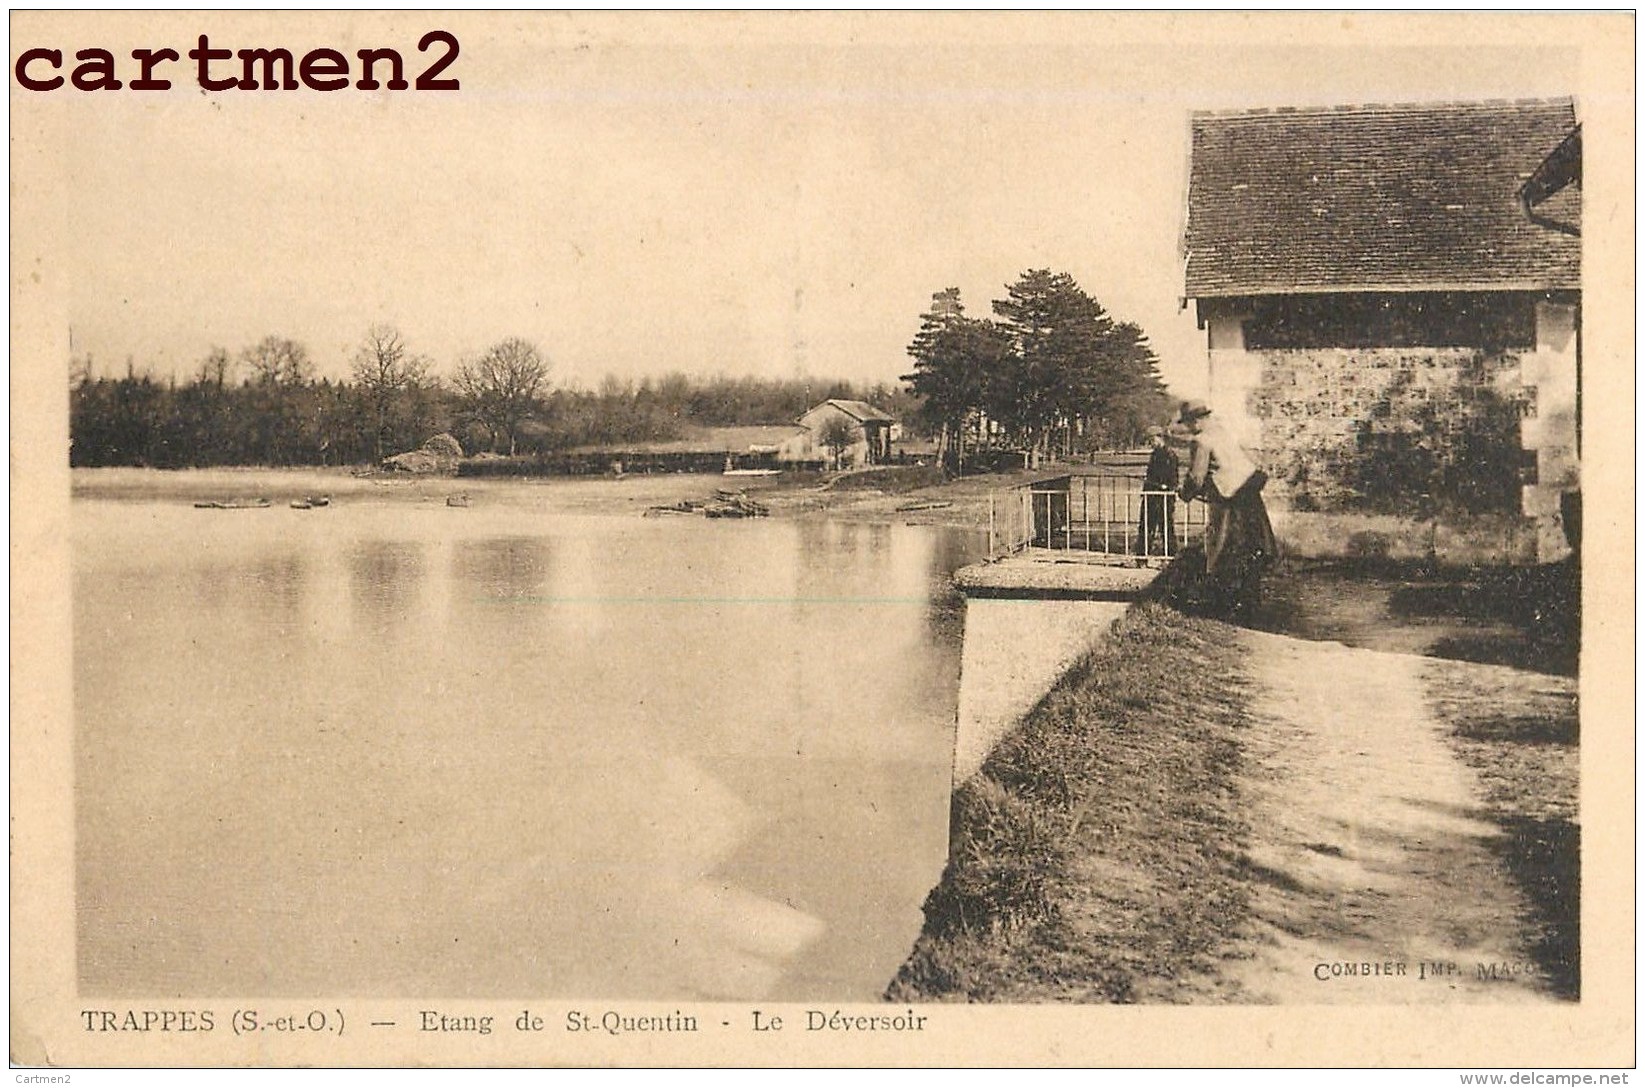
{"x": 232, "y": 504}
{"x": 457, "y": 500}
{"x": 311, "y": 503}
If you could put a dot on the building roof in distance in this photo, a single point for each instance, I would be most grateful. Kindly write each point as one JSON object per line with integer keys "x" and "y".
{"x": 1375, "y": 198}
{"x": 859, "y": 411}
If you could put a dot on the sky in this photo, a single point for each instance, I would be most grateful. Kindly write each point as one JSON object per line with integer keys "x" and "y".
{"x": 759, "y": 194}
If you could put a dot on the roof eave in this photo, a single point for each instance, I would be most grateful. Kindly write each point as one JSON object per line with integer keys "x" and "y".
{"x": 1449, "y": 287}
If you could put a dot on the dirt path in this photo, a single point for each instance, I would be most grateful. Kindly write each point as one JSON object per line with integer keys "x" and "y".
{"x": 1373, "y": 860}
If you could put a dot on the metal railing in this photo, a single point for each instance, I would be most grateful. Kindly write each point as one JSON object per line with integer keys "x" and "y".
{"x": 1098, "y": 513}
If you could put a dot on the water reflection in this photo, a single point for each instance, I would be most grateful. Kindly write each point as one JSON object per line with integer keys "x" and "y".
{"x": 385, "y": 579}
{"x": 945, "y": 615}
{"x": 503, "y": 568}
{"x": 399, "y": 754}
{"x": 270, "y": 585}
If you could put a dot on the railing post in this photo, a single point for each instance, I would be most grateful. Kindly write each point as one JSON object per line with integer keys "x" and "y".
{"x": 1141, "y": 516}
{"x": 1143, "y": 534}
{"x": 1022, "y": 517}
{"x": 1085, "y": 510}
{"x": 1107, "y": 519}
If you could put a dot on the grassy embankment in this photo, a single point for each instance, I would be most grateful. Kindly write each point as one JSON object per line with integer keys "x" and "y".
{"x": 1520, "y": 738}
{"x": 1097, "y": 855}
{"x": 1520, "y": 731}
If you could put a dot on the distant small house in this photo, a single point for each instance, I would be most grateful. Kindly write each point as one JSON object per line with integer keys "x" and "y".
{"x": 871, "y": 431}
{"x": 1391, "y": 296}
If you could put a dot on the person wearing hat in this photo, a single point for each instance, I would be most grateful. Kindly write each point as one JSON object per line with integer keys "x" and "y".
{"x": 1158, "y": 516}
{"x": 1239, "y": 539}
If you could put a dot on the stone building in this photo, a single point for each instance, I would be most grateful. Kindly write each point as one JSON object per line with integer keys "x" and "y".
{"x": 1391, "y": 297}
{"x": 870, "y": 429}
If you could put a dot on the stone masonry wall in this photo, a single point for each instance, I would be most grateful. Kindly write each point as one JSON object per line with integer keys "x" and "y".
{"x": 1421, "y": 432}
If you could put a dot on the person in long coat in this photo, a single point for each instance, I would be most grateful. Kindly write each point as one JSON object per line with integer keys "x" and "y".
{"x": 1239, "y": 539}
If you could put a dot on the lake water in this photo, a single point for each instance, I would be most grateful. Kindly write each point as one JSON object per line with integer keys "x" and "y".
{"x": 392, "y": 748}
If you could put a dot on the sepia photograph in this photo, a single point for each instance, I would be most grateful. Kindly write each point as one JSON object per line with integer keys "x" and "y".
{"x": 572, "y": 538}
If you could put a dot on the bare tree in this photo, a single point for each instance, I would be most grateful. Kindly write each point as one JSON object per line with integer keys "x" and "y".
{"x": 215, "y": 368}
{"x": 275, "y": 360}
{"x": 839, "y": 435}
{"x": 502, "y": 386}
{"x": 384, "y": 372}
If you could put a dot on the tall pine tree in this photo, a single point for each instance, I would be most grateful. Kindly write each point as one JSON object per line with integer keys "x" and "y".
{"x": 1071, "y": 364}
{"x": 954, "y": 359}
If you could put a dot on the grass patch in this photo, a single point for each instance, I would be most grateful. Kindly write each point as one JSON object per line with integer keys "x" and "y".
{"x": 1522, "y": 617}
{"x": 1097, "y": 856}
{"x": 890, "y": 479}
{"x": 1519, "y": 732}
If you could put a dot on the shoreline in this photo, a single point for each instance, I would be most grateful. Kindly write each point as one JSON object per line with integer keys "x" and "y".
{"x": 965, "y": 499}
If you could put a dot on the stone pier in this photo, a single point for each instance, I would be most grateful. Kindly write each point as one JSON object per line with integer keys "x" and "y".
{"x": 1029, "y": 617}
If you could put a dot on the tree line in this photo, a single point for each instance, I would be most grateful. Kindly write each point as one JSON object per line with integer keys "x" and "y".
{"x": 1051, "y": 372}
{"x": 265, "y": 406}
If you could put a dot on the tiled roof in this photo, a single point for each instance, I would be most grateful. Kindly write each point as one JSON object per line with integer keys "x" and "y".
{"x": 861, "y": 412}
{"x": 1365, "y": 198}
